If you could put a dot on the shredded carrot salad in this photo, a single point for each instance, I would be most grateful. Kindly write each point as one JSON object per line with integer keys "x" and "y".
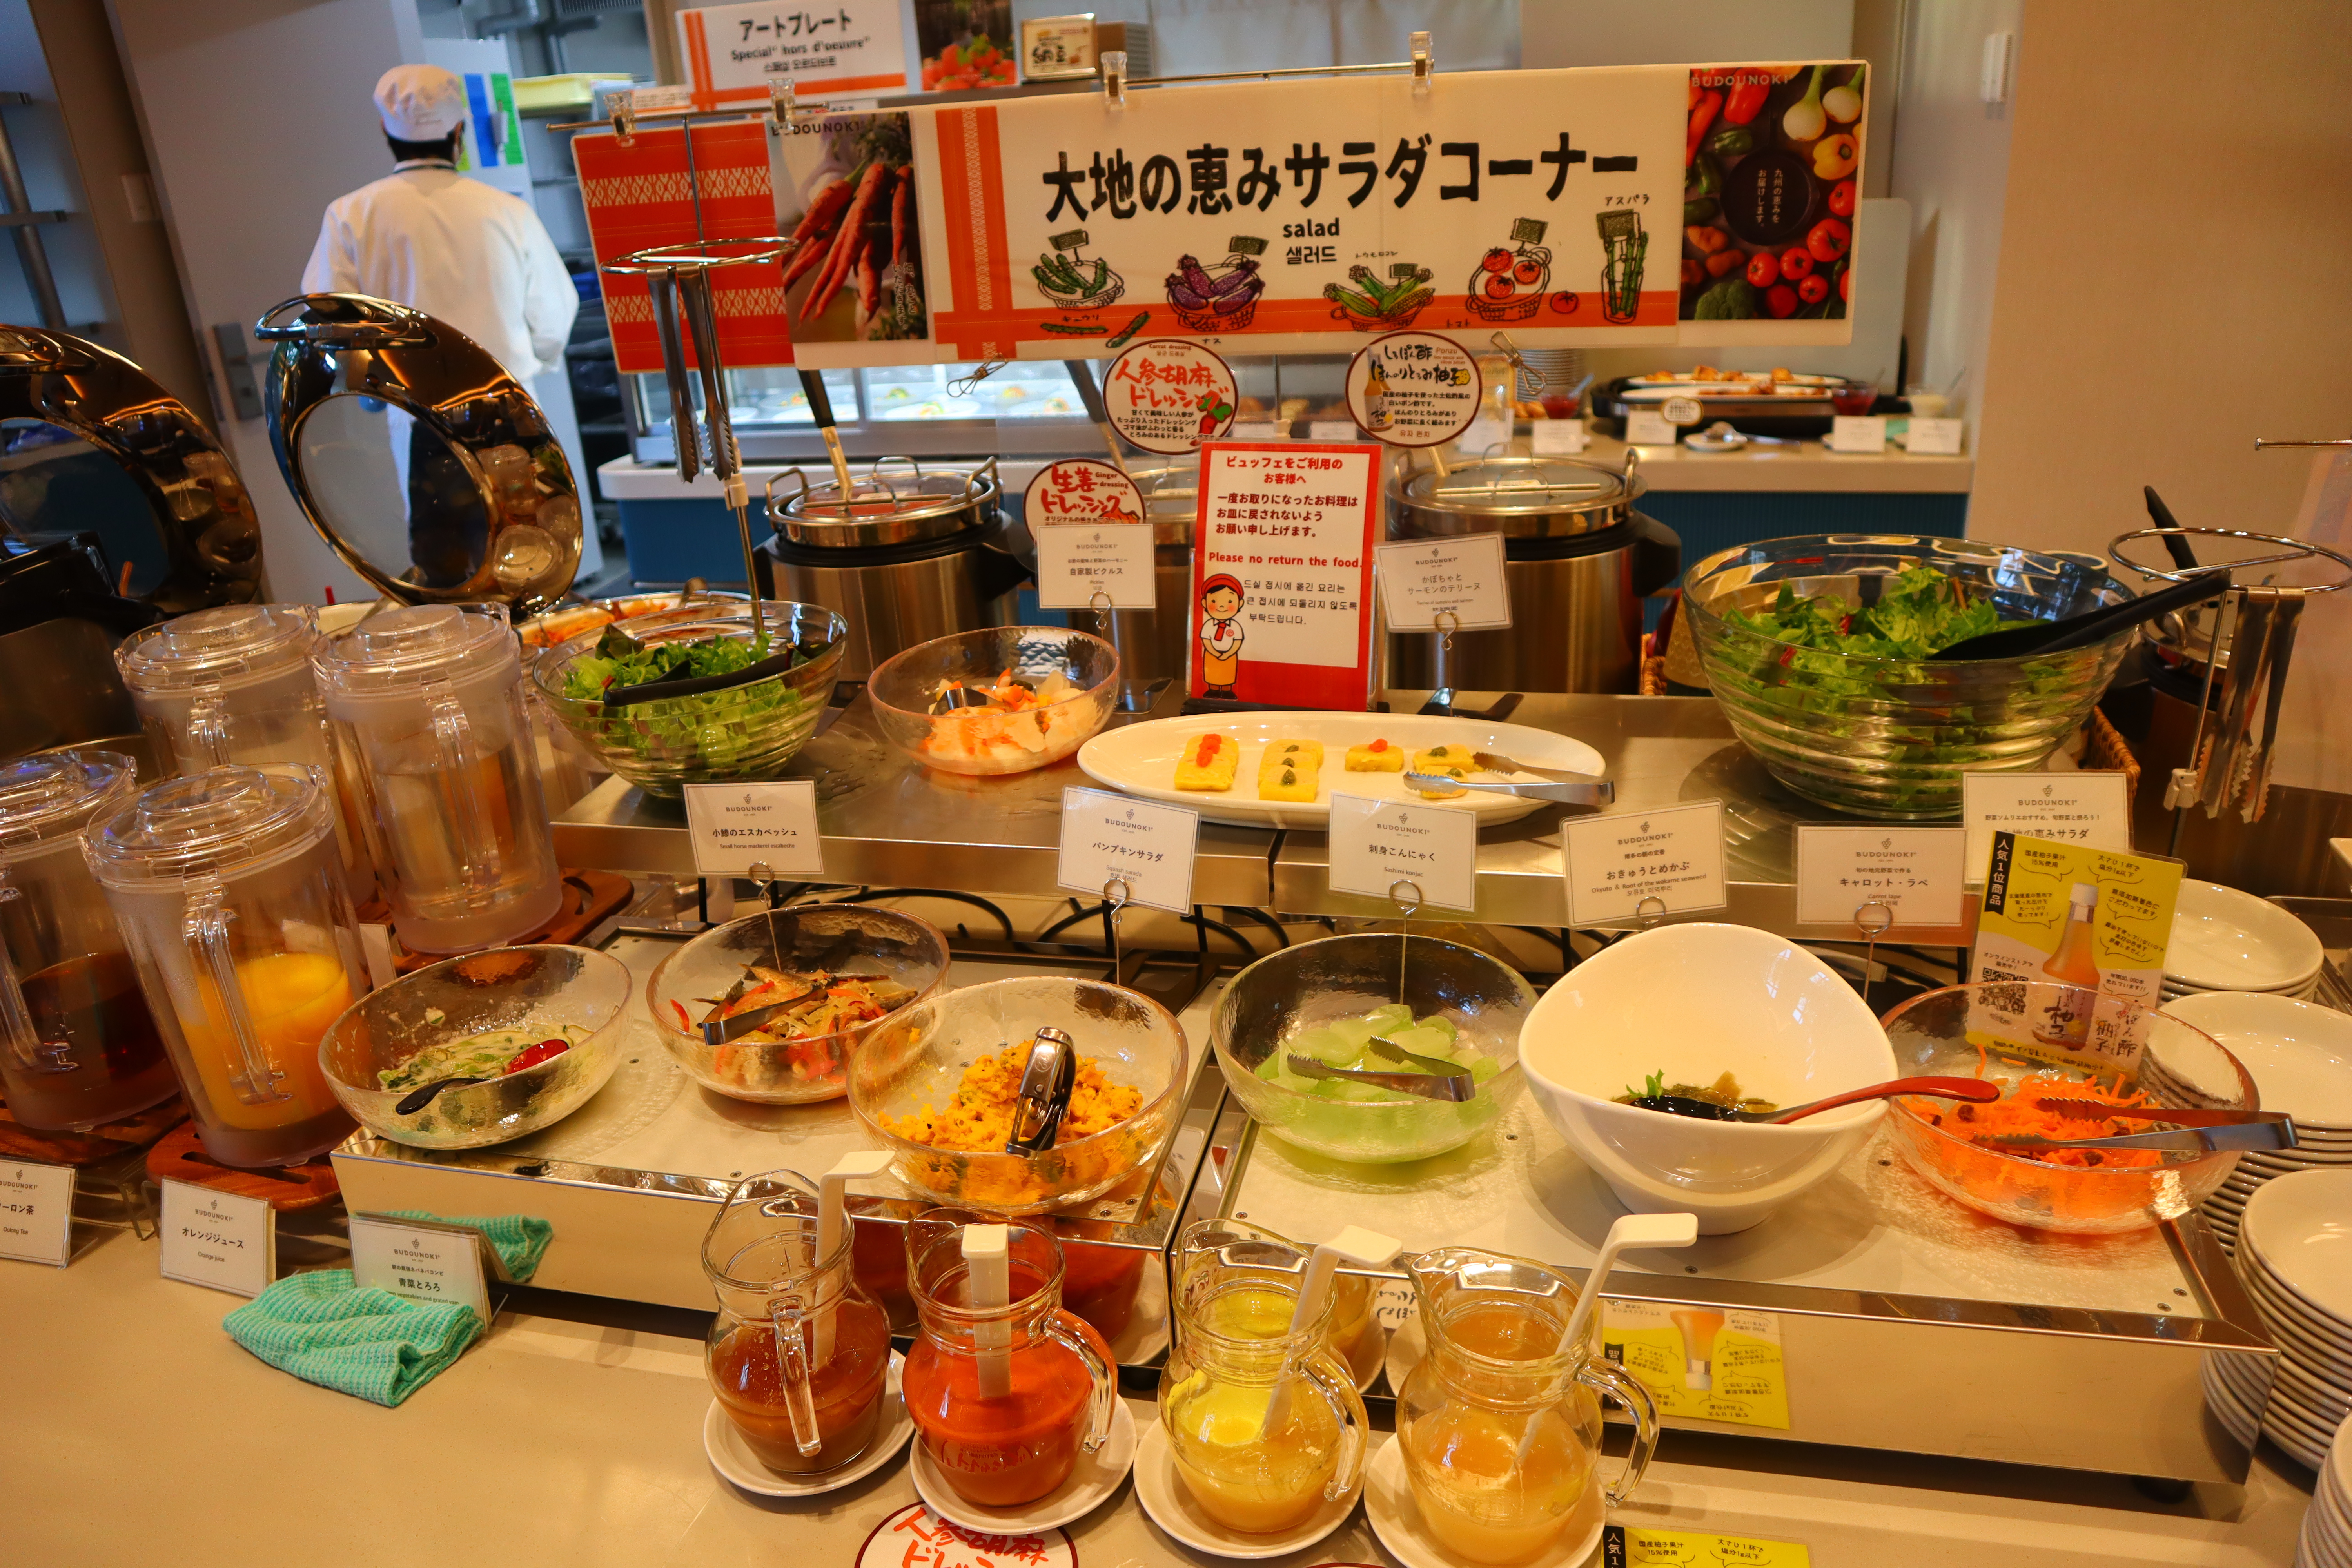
{"x": 2017, "y": 1114}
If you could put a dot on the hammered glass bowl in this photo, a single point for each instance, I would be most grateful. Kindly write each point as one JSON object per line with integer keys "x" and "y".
{"x": 995, "y": 740}
{"x": 844, "y": 939}
{"x": 1972, "y": 1031}
{"x": 533, "y": 988}
{"x": 742, "y": 732}
{"x": 1884, "y": 738}
{"x": 1312, "y": 983}
{"x": 916, "y": 1057}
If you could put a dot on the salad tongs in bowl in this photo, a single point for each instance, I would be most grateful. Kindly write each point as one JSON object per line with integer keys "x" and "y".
{"x": 1423, "y": 1076}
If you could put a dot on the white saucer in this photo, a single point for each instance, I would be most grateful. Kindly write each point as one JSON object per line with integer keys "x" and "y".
{"x": 1170, "y": 1502}
{"x": 2300, "y": 1227}
{"x": 1092, "y": 1481}
{"x": 1396, "y": 1520}
{"x": 733, "y": 1458}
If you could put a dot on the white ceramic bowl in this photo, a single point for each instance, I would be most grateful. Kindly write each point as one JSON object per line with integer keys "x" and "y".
{"x": 2299, "y": 1055}
{"x": 1695, "y": 1001}
{"x": 2225, "y": 940}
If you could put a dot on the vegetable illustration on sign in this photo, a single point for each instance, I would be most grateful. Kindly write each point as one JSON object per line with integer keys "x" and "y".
{"x": 1220, "y": 298}
{"x": 1070, "y": 280}
{"x": 1508, "y": 285}
{"x": 1168, "y": 395}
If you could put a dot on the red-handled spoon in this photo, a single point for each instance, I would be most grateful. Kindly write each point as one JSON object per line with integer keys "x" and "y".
{"x": 1975, "y": 1089}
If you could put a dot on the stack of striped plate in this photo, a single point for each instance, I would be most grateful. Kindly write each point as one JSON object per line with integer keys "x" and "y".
{"x": 2327, "y": 1528}
{"x": 2295, "y": 1262}
{"x": 2299, "y": 1056}
{"x": 2223, "y": 940}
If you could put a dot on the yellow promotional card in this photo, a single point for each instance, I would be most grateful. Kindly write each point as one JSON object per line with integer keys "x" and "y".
{"x": 1701, "y": 1362}
{"x": 2071, "y": 941}
{"x": 1625, "y": 1547}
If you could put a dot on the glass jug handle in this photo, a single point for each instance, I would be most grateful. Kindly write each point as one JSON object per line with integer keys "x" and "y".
{"x": 452, "y": 735}
{"x": 1609, "y": 1380}
{"x": 208, "y": 727}
{"x": 16, "y": 1019}
{"x": 1330, "y": 1374}
{"x": 1070, "y": 1331}
{"x": 793, "y": 1364}
{"x": 205, "y": 930}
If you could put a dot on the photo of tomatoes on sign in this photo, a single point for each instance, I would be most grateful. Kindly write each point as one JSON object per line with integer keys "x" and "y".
{"x": 1170, "y": 394}
{"x": 1081, "y": 489}
{"x": 1772, "y": 172}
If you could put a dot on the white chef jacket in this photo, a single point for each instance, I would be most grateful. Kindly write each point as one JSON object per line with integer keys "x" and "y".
{"x": 426, "y": 236}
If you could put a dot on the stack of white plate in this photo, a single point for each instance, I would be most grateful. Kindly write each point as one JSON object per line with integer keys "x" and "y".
{"x": 2299, "y": 1056}
{"x": 2223, "y": 940}
{"x": 2327, "y": 1528}
{"x": 2297, "y": 1265}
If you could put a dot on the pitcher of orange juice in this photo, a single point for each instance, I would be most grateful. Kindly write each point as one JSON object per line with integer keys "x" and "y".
{"x": 229, "y": 891}
{"x": 1260, "y": 1410}
{"x": 1500, "y": 1424}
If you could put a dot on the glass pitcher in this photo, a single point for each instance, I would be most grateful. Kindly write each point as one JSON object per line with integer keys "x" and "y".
{"x": 426, "y": 704}
{"x": 230, "y": 895}
{"x": 77, "y": 1046}
{"x": 1001, "y": 1449}
{"x": 1265, "y": 1423}
{"x": 799, "y": 1355}
{"x": 1500, "y": 1424}
{"x": 234, "y": 685}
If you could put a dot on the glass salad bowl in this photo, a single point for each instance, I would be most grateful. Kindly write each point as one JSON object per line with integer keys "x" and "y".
{"x": 746, "y": 731}
{"x": 847, "y": 942}
{"x": 1940, "y": 1033}
{"x": 1061, "y": 683}
{"x": 1890, "y": 737}
{"x": 544, "y": 992}
{"x": 1297, "y": 998}
{"x": 903, "y": 1086}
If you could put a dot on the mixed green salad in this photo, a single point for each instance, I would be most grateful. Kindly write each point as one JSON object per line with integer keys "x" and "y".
{"x": 621, "y": 660}
{"x": 1920, "y": 611}
{"x": 709, "y": 732}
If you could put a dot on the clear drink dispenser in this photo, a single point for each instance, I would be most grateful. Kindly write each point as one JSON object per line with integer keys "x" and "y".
{"x": 234, "y": 685}
{"x": 426, "y": 708}
{"x": 77, "y": 1046}
{"x": 230, "y": 895}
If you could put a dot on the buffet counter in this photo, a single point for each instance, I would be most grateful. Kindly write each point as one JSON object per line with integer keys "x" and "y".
{"x": 563, "y": 1440}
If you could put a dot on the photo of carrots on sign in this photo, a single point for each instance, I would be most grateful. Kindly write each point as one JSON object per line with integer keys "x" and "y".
{"x": 966, "y": 44}
{"x": 857, "y": 275}
{"x": 1772, "y": 172}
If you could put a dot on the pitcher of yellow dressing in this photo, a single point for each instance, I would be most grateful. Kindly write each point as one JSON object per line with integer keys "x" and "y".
{"x": 1499, "y": 1424}
{"x": 1262, "y": 1415}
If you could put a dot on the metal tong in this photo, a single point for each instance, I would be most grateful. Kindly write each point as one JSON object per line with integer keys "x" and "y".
{"x": 1430, "y": 1078}
{"x": 1575, "y": 789}
{"x": 2191, "y": 1132}
{"x": 1047, "y": 1080}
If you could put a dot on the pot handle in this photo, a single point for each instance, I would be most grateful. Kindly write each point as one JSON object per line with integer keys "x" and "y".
{"x": 1657, "y": 554}
{"x": 795, "y": 1367}
{"x": 1071, "y": 1332}
{"x": 469, "y": 813}
{"x": 1609, "y": 1380}
{"x": 16, "y": 1036}
{"x": 1327, "y": 1371}
{"x": 205, "y": 929}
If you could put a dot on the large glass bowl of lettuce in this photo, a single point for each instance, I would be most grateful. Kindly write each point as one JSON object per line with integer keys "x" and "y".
{"x": 747, "y": 731}
{"x": 1817, "y": 646}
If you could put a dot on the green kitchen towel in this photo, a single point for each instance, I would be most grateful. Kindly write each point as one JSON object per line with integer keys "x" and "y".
{"x": 520, "y": 1240}
{"x": 371, "y": 1343}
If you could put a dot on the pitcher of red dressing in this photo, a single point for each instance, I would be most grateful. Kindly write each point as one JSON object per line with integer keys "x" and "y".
{"x": 1005, "y": 1388}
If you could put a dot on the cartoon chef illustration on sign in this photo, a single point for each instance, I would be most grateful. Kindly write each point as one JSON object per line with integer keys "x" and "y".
{"x": 1221, "y": 634}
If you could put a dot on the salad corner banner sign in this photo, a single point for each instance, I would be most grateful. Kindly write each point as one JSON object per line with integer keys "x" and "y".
{"x": 1636, "y": 205}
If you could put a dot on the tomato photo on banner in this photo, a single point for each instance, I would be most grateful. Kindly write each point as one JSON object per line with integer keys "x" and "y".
{"x": 1771, "y": 175}
{"x": 966, "y": 44}
{"x": 1282, "y": 577}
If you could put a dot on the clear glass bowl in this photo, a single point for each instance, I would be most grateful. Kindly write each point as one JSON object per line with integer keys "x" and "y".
{"x": 540, "y": 988}
{"x": 1930, "y": 1035}
{"x": 1317, "y": 982}
{"x": 992, "y": 740}
{"x": 1890, "y": 738}
{"x": 847, "y": 939}
{"x": 917, "y": 1057}
{"x": 747, "y": 731}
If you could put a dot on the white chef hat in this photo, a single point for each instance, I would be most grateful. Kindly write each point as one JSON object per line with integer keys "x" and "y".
{"x": 420, "y": 103}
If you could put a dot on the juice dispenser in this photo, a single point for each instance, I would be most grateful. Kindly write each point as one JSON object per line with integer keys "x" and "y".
{"x": 77, "y": 1046}
{"x": 1261, "y": 1412}
{"x": 1004, "y": 1386}
{"x": 234, "y": 685}
{"x": 799, "y": 1353}
{"x": 426, "y": 705}
{"x": 231, "y": 900}
{"x": 1499, "y": 1426}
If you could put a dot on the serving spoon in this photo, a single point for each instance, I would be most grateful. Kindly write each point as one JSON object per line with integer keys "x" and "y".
{"x": 1975, "y": 1089}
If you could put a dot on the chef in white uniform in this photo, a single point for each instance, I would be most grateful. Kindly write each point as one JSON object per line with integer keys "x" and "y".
{"x": 459, "y": 251}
